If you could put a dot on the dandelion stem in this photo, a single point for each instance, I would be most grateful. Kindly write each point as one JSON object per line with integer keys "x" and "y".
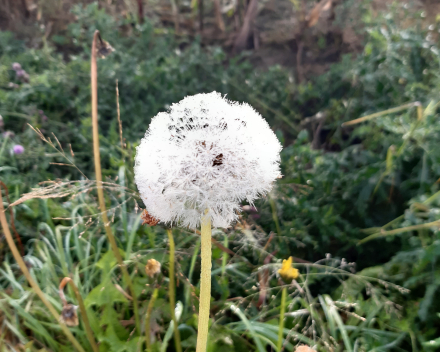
{"x": 281, "y": 326}
{"x": 205, "y": 284}
{"x": 172, "y": 291}
{"x": 148, "y": 318}
{"x": 29, "y": 278}
{"x": 97, "y": 157}
{"x": 83, "y": 311}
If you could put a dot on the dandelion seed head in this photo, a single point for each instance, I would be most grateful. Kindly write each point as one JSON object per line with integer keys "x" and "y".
{"x": 206, "y": 152}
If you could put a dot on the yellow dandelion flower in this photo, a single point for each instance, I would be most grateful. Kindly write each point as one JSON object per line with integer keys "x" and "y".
{"x": 286, "y": 271}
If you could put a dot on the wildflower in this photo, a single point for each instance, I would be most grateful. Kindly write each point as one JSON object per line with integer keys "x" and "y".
{"x": 16, "y": 66}
{"x": 152, "y": 268}
{"x": 206, "y": 152}
{"x": 22, "y": 75}
{"x": 18, "y": 149}
{"x": 286, "y": 271}
{"x": 68, "y": 315}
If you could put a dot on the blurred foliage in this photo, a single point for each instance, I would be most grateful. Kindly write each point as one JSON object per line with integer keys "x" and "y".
{"x": 363, "y": 193}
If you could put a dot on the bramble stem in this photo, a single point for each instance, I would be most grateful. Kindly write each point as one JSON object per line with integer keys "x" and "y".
{"x": 281, "y": 325}
{"x": 172, "y": 291}
{"x": 29, "y": 278}
{"x": 205, "y": 284}
{"x": 97, "y": 157}
{"x": 148, "y": 317}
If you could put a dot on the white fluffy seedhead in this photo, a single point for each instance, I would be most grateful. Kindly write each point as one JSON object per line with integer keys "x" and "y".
{"x": 206, "y": 152}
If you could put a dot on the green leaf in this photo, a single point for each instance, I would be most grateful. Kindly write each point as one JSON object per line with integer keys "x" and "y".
{"x": 104, "y": 293}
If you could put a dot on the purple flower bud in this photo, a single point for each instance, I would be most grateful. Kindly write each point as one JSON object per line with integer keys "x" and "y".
{"x": 41, "y": 112}
{"x": 44, "y": 118}
{"x": 18, "y": 149}
{"x": 256, "y": 216}
{"x": 16, "y": 66}
{"x": 20, "y": 73}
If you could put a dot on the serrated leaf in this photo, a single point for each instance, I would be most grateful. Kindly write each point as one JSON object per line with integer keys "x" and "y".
{"x": 104, "y": 293}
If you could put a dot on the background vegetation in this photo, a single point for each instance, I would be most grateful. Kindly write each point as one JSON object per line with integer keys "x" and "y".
{"x": 358, "y": 206}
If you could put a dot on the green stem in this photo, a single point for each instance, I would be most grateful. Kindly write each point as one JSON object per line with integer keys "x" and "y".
{"x": 148, "y": 318}
{"x": 401, "y": 230}
{"x": 30, "y": 279}
{"x": 205, "y": 284}
{"x": 97, "y": 157}
{"x": 281, "y": 326}
{"x": 172, "y": 290}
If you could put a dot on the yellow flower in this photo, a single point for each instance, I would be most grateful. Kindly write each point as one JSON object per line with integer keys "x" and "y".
{"x": 286, "y": 271}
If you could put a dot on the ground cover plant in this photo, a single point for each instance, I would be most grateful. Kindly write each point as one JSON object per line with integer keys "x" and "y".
{"x": 342, "y": 255}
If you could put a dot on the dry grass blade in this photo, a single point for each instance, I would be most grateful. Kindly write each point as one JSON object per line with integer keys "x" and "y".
{"x": 61, "y": 152}
{"x": 59, "y": 189}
